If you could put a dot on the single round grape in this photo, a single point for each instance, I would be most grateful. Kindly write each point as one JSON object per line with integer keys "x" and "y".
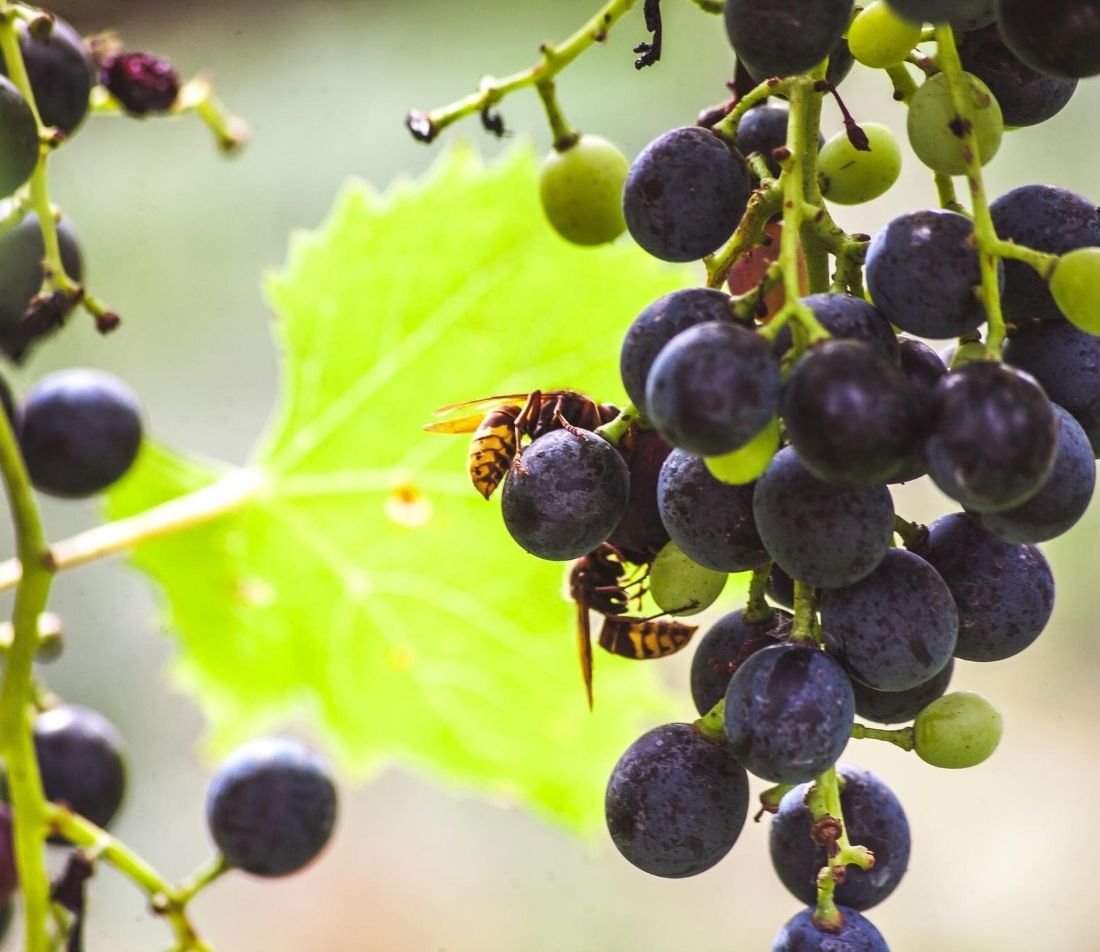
{"x": 963, "y": 14}
{"x": 745, "y": 465}
{"x": 18, "y": 138}
{"x": 1004, "y": 593}
{"x": 1025, "y": 96}
{"x": 873, "y": 817}
{"x": 763, "y": 129}
{"x": 1066, "y": 362}
{"x": 271, "y": 807}
{"x": 922, "y": 269}
{"x": 849, "y": 318}
{"x": 789, "y": 713}
{"x": 1046, "y": 218}
{"x": 824, "y": 535}
{"x": 780, "y": 587}
{"x": 899, "y": 707}
{"x": 879, "y": 38}
{"x": 961, "y": 729}
{"x": 727, "y": 644}
{"x": 62, "y": 73}
{"x": 680, "y": 586}
{"x": 713, "y": 388}
{"x": 81, "y": 432}
{"x": 564, "y": 494}
{"x": 849, "y": 414}
{"x": 640, "y": 533}
{"x": 896, "y": 628}
{"x": 994, "y": 436}
{"x": 80, "y": 756}
{"x": 711, "y": 522}
{"x": 581, "y": 190}
{"x": 1075, "y": 287}
{"x": 657, "y": 325}
{"x": 784, "y": 37}
{"x": 1059, "y": 37}
{"x": 857, "y": 934}
{"x": 851, "y": 176}
{"x": 932, "y": 121}
{"x": 923, "y": 369}
{"x": 685, "y": 194}
{"x": 676, "y": 802}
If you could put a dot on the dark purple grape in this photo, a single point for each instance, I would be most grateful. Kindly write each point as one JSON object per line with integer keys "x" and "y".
{"x": 849, "y": 414}
{"x": 727, "y": 644}
{"x": 9, "y": 875}
{"x": 640, "y": 532}
{"x": 657, "y": 325}
{"x": 1062, "y": 499}
{"x": 894, "y": 629}
{"x": 922, "y": 269}
{"x": 1026, "y": 97}
{"x": 565, "y": 494}
{"x": 713, "y": 388}
{"x": 923, "y": 368}
{"x": 784, "y": 37}
{"x": 789, "y": 713}
{"x": 81, "y": 432}
{"x": 1056, "y": 37}
{"x": 271, "y": 807}
{"x": 899, "y": 707}
{"x": 849, "y": 318}
{"x": 18, "y": 138}
{"x": 763, "y": 129}
{"x": 841, "y": 62}
{"x": 962, "y": 14}
{"x": 1066, "y": 362}
{"x": 824, "y": 535}
{"x": 685, "y": 194}
{"x": 873, "y": 817}
{"x": 676, "y": 802}
{"x": 994, "y": 436}
{"x": 856, "y": 935}
{"x": 141, "y": 82}
{"x": 80, "y": 756}
{"x": 711, "y": 522}
{"x": 780, "y": 587}
{"x": 1004, "y": 592}
{"x": 62, "y": 73}
{"x": 1046, "y": 218}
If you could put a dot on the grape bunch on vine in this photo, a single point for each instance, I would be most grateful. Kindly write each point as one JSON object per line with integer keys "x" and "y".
{"x": 771, "y": 409}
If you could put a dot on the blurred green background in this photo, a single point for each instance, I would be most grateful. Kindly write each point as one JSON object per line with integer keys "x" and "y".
{"x": 178, "y": 239}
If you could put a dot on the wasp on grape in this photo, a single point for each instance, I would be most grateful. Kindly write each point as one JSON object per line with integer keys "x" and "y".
{"x": 500, "y": 423}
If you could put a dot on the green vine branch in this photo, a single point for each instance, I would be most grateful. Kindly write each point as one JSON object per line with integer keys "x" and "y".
{"x": 830, "y": 831}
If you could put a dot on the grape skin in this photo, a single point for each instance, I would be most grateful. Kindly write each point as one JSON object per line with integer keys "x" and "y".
{"x": 923, "y": 369}
{"x": 640, "y": 532}
{"x": 1066, "y": 362}
{"x": 784, "y": 37}
{"x": 824, "y": 535}
{"x": 1004, "y": 592}
{"x": 1057, "y": 37}
{"x": 763, "y": 129}
{"x": 873, "y": 817}
{"x": 564, "y": 494}
{"x": 680, "y": 586}
{"x": 789, "y": 713}
{"x": 1074, "y": 288}
{"x": 729, "y": 641}
{"x": 1063, "y": 498}
{"x": 879, "y": 37}
{"x": 932, "y": 121}
{"x": 849, "y": 318}
{"x": 899, "y": 707}
{"x": 581, "y": 191}
{"x": 921, "y": 271}
{"x": 18, "y": 138}
{"x": 896, "y": 628}
{"x": 964, "y": 14}
{"x": 856, "y": 935}
{"x": 685, "y": 194}
{"x": 959, "y": 730}
{"x": 657, "y": 325}
{"x": 676, "y": 802}
{"x": 851, "y": 176}
{"x": 710, "y": 521}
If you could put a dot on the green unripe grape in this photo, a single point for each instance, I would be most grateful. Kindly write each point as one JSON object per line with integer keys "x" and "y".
{"x": 744, "y": 465}
{"x": 582, "y": 191}
{"x": 680, "y": 586}
{"x": 850, "y": 176}
{"x": 1076, "y": 288}
{"x": 879, "y": 38}
{"x": 932, "y": 121}
{"x": 18, "y": 138}
{"x": 957, "y": 730}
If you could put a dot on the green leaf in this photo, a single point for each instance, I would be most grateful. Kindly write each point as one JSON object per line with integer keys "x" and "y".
{"x": 365, "y": 583}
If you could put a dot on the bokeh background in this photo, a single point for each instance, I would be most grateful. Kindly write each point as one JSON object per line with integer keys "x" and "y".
{"x": 178, "y": 240}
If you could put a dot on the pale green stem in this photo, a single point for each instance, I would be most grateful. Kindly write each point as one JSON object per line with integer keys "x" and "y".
{"x": 901, "y": 737}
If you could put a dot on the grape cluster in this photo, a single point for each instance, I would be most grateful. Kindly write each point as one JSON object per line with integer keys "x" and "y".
{"x": 789, "y": 406}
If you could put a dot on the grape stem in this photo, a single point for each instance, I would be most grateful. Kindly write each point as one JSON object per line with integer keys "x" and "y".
{"x": 901, "y": 737}
{"x": 804, "y": 627}
{"x": 712, "y": 724}
{"x": 758, "y": 609}
{"x": 711, "y": 6}
{"x": 764, "y": 203}
{"x": 426, "y": 126}
{"x": 565, "y": 136}
{"x": 912, "y": 534}
{"x": 823, "y": 802}
{"x": 615, "y": 430}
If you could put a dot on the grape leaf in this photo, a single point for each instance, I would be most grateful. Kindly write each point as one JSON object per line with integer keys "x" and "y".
{"x": 362, "y": 581}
